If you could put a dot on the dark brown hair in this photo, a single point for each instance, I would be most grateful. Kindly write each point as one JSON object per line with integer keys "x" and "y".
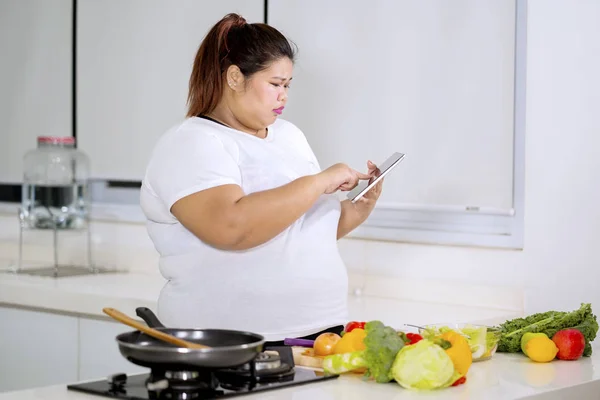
{"x": 232, "y": 41}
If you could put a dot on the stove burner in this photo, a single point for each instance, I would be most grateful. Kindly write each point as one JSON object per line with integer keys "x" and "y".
{"x": 270, "y": 370}
{"x": 182, "y": 375}
{"x": 181, "y": 381}
{"x": 266, "y": 367}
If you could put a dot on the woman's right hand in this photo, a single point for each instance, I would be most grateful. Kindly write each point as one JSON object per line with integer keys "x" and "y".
{"x": 340, "y": 177}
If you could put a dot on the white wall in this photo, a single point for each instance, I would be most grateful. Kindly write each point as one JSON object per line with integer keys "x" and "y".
{"x": 560, "y": 266}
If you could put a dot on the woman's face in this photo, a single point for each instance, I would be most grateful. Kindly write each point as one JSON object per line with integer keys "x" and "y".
{"x": 259, "y": 100}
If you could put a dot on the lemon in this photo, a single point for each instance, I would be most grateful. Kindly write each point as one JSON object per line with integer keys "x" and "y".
{"x": 541, "y": 349}
{"x": 527, "y": 337}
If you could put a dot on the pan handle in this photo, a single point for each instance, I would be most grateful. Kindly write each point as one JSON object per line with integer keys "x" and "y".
{"x": 149, "y": 317}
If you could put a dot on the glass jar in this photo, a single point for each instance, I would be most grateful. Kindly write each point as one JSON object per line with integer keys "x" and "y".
{"x": 55, "y": 185}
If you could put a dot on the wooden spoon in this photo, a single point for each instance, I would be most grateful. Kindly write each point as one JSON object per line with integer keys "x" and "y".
{"x": 119, "y": 316}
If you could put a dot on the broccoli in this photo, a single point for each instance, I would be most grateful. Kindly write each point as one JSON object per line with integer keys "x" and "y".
{"x": 382, "y": 345}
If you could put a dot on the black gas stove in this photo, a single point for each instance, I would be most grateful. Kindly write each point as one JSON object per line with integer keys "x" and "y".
{"x": 271, "y": 369}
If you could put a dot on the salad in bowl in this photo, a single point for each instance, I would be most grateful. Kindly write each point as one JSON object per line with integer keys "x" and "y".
{"x": 482, "y": 339}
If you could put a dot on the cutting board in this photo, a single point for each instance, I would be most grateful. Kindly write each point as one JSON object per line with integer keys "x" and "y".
{"x": 305, "y": 357}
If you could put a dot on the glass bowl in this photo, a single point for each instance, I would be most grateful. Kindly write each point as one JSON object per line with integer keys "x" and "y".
{"x": 483, "y": 339}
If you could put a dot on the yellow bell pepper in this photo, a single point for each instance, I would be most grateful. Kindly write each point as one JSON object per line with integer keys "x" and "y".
{"x": 351, "y": 341}
{"x": 459, "y": 352}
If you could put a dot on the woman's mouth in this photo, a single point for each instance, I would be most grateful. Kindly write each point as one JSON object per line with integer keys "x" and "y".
{"x": 279, "y": 110}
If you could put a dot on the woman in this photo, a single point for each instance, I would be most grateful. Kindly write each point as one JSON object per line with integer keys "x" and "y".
{"x": 245, "y": 221}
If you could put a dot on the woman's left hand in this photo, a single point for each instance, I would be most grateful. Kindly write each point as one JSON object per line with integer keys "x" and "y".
{"x": 354, "y": 214}
{"x": 370, "y": 198}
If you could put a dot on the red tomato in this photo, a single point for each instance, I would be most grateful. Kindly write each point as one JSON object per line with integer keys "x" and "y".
{"x": 413, "y": 338}
{"x": 353, "y": 325}
{"x": 460, "y": 381}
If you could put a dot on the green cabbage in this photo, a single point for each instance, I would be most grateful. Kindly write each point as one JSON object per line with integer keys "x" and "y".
{"x": 423, "y": 366}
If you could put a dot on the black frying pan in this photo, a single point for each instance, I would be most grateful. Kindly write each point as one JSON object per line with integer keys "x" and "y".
{"x": 228, "y": 348}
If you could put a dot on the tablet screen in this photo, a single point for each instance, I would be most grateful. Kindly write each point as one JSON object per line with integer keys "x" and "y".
{"x": 384, "y": 168}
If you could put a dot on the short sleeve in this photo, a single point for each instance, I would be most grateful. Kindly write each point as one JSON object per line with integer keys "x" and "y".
{"x": 189, "y": 161}
{"x": 303, "y": 144}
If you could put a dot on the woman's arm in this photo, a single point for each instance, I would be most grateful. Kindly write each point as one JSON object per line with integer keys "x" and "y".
{"x": 226, "y": 218}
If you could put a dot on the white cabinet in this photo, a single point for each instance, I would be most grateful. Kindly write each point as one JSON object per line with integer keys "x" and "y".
{"x": 134, "y": 60}
{"x": 40, "y": 348}
{"x": 35, "y": 77}
{"x": 441, "y": 81}
{"x": 36, "y": 349}
{"x": 432, "y": 79}
{"x": 99, "y": 354}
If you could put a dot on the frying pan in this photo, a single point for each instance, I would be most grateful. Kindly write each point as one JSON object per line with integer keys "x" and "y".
{"x": 227, "y": 348}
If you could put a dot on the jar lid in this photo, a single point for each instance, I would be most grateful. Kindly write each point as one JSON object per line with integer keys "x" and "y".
{"x": 56, "y": 139}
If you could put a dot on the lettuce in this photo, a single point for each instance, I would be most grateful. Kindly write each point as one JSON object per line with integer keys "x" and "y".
{"x": 423, "y": 366}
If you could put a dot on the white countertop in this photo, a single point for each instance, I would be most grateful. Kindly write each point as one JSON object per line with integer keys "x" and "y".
{"x": 505, "y": 376}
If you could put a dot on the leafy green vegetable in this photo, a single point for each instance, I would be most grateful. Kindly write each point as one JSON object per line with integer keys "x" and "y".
{"x": 549, "y": 323}
{"x": 382, "y": 344}
{"x": 424, "y": 366}
{"x": 491, "y": 341}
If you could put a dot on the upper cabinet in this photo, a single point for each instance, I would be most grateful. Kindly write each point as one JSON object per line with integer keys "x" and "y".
{"x": 134, "y": 60}
{"x": 432, "y": 79}
{"x": 35, "y": 77}
{"x": 441, "y": 81}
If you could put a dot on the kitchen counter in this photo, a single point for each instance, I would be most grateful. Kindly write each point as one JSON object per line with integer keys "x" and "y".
{"x": 88, "y": 294}
{"x": 505, "y": 376}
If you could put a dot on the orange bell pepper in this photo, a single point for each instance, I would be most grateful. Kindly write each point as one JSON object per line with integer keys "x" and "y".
{"x": 351, "y": 341}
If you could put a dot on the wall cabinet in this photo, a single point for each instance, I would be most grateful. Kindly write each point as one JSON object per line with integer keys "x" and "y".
{"x": 35, "y": 78}
{"x": 134, "y": 60}
{"x": 442, "y": 82}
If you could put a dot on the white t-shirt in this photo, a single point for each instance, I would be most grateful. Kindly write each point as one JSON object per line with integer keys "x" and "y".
{"x": 293, "y": 285}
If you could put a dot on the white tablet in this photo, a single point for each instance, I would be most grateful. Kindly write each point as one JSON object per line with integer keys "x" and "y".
{"x": 385, "y": 168}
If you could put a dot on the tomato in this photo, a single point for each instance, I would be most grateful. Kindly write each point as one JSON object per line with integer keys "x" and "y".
{"x": 353, "y": 325}
{"x": 325, "y": 342}
{"x": 460, "y": 381}
{"x": 413, "y": 338}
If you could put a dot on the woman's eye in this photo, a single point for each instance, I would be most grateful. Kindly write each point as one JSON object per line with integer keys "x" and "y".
{"x": 275, "y": 84}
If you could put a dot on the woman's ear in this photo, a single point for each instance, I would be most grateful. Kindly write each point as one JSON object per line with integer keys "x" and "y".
{"x": 235, "y": 78}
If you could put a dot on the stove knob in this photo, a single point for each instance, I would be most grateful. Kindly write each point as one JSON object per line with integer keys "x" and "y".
{"x": 117, "y": 379}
